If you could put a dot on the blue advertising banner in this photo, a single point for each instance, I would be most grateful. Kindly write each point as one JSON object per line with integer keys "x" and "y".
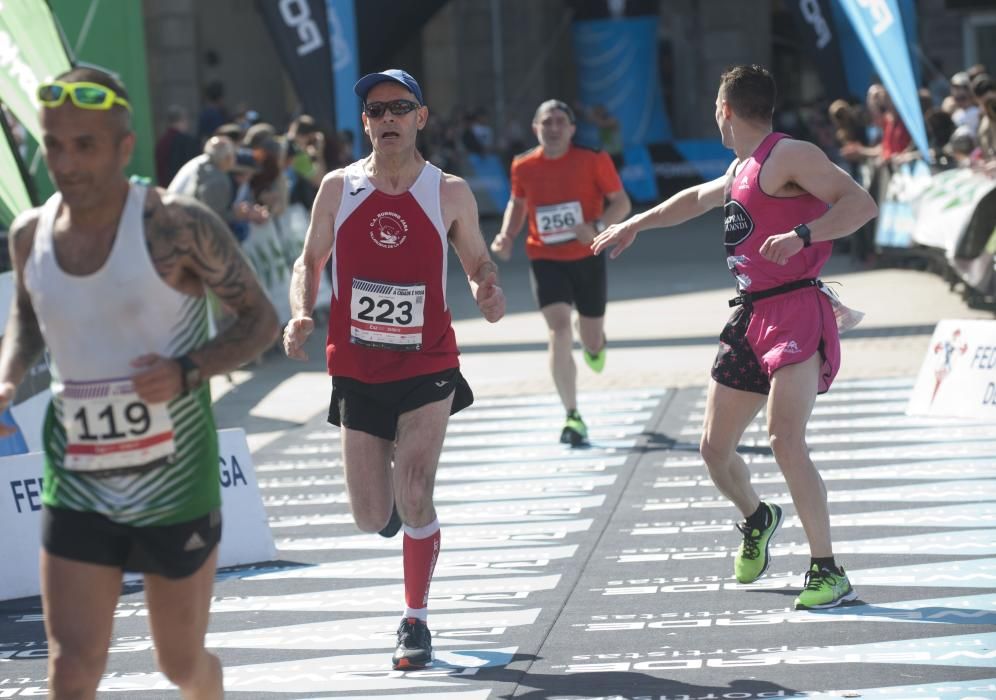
{"x": 617, "y": 68}
{"x": 299, "y": 31}
{"x": 637, "y": 175}
{"x": 489, "y": 182}
{"x": 345, "y": 67}
{"x": 879, "y": 26}
{"x": 857, "y": 66}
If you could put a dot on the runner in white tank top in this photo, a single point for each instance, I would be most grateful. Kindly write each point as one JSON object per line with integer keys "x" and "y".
{"x": 111, "y": 277}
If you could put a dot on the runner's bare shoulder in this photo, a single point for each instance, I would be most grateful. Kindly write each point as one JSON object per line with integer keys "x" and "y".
{"x": 453, "y": 188}
{"x": 330, "y": 192}
{"x": 22, "y": 235}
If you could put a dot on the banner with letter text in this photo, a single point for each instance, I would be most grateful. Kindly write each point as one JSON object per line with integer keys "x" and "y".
{"x": 958, "y": 375}
{"x": 245, "y": 539}
{"x": 880, "y": 28}
{"x": 819, "y": 37}
{"x": 300, "y": 32}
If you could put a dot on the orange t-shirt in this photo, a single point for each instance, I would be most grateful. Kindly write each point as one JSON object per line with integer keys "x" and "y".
{"x": 561, "y": 193}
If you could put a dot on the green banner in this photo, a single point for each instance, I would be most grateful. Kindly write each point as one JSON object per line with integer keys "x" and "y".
{"x": 30, "y": 51}
{"x": 14, "y": 194}
{"x": 111, "y": 34}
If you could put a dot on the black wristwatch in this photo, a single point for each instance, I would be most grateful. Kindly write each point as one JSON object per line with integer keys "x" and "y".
{"x": 190, "y": 373}
{"x": 598, "y": 225}
{"x": 802, "y": 231}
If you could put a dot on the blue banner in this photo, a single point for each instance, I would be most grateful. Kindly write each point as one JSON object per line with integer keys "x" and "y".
{"x": 345, "y": 68}
{"x": 880, "y": 28}
{"x": 896, "y": 211}
{"x": 617, "y": 68}
{"x": 489, "y": 182}
{"x": 857, "y": 66}
{"x": 637, "y": 175}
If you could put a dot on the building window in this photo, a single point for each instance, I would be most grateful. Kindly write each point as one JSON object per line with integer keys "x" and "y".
{"x": 979, "y": 31}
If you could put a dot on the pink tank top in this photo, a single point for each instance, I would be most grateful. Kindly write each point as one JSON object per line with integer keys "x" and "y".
{"x": 752, "y": 216}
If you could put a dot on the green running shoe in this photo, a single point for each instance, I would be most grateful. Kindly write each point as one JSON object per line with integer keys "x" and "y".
{"x": 596, "y": 361}
{"x": 752, "y": 558}
{"x": 824, "y": 589}
{"x": 575, "y": 432}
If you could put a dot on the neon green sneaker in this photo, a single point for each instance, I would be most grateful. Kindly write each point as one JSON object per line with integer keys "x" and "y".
{"x": 596, "y": 361}
{"x": 824, "y": 589}
{"x": 752, "y": 558}
{"x": 575, "y": 432}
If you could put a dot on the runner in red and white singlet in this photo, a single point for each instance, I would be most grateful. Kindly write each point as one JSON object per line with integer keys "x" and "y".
{"x": 389, "y": 318}
{"x": 387, "y": 222}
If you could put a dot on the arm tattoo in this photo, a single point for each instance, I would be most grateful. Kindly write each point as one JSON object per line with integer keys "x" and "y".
{"x": 23, "y": 342}
{"x": 187, "y": 244}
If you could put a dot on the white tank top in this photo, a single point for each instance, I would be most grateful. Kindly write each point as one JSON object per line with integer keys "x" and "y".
{"x": 95, "y": 325}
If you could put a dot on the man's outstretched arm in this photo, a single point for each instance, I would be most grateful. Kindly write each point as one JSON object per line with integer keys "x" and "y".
{"x": 686, "y": 205}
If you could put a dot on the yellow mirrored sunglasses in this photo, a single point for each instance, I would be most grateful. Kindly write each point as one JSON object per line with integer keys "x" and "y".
{"x": 84, "y": 95}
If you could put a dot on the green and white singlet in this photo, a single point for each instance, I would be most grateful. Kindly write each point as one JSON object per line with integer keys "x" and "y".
{"x": 106, "y": 451}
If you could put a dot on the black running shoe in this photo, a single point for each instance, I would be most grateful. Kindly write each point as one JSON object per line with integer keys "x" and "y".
{"x": 414, "y": 645}
{"x": 393, "y": 525}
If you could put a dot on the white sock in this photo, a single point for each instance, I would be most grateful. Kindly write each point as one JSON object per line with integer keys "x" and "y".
{"x": 420, "y": 613}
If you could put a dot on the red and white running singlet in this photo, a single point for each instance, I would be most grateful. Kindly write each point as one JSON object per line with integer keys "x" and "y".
{"x": 389, "y": 318}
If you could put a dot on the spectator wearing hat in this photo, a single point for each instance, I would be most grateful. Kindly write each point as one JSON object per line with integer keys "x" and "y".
{"x": 966, "y": 112}
{"x": 206, "y": 177}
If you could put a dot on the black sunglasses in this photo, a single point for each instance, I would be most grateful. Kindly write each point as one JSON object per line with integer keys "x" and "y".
{"x": 375, "y": 110}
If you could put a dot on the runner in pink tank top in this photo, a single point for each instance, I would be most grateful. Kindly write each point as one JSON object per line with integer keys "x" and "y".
{"x": 784, "y": 202}
{"x": 767, "y": 334}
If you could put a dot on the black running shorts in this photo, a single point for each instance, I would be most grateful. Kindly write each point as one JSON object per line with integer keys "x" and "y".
{"x": 375, "y": 408}
{"x": 736, "y": 365}
{"x": 174, "y": 551}
{"x": 582, "y": 283}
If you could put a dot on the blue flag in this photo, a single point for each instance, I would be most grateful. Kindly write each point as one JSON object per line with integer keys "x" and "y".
{"x": 880, "y": 28}
{"x": 345, "y": 67}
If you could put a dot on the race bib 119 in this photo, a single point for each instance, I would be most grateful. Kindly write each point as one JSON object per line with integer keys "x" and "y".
{"x": 108, "y": 427}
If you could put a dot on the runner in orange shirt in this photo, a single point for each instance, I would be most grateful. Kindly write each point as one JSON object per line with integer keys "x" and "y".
{"x": 562, "y": 190}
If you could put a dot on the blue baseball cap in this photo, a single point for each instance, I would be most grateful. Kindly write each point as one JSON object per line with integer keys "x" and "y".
{"x": 364, "y": 84}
